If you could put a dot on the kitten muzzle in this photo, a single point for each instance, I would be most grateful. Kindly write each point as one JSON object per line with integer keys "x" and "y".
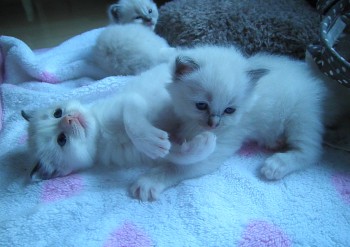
{"x": 39, "y": 173}
{"x": 214, "y": 121}
{"x": 147, "y": 21}
{"x": 67, "y": 121}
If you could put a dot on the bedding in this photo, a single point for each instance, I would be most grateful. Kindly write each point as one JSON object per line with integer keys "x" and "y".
{"x": 233, "y": 206}
{"x": 276, "y": 26}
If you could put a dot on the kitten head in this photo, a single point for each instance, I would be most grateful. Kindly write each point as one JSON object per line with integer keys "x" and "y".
{"x": 210, "y": 85}
{"x": 134, "y": 11}
{"x": 61, "y": 139}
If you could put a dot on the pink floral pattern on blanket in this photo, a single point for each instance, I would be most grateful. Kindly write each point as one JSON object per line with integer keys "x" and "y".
{"x": 341, "y": 182}
{"x": 48, "y": 77}
{"x": 128, "y": 235}
{"x": 61, "y": 188}
{"x": 264, "y": 234}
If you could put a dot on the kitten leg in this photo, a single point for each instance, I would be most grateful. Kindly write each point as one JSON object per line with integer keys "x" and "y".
{"x": 304, "y": 140}
{"x": 149, "y": 186}
{"x": 198, "y": 149}
{"x": 147, "y": 139}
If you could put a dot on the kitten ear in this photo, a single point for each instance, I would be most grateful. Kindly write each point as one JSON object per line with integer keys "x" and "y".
{"x": 184, "y": 65}
{"x": 113, "y": 12}
{"x": 40, "y": 172}
{"x": 256, "y": 74}
{"x": 26, "y": 116}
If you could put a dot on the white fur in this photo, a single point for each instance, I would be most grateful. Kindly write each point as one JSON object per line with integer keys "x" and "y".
{"x": 283, "y": 104}
{"x": 129, "y": 49}
{"x": 287, "y": 103}
{"x": 126, "y": 130}
{"x": 143, "y": 12}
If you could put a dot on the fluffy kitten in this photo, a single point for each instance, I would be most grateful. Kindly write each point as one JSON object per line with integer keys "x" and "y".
{"x": 266, "y": 98}
{"x": 124, "y": 130}
{"x": 134, "y": 11}
{"x": 129, "y": 49}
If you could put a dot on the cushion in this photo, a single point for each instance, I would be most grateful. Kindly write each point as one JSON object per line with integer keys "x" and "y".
{"x": 277, "y": 26}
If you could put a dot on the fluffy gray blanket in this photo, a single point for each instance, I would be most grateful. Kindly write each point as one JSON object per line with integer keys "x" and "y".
{"x": 277, "y": 26}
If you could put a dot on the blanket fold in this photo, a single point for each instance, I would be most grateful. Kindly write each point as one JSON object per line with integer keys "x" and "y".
{"x": 69, "y": 60}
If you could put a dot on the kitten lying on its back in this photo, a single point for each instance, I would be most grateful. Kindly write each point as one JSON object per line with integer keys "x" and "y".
{"x": 134, "y": 11}
{"x": 124, "y": 130}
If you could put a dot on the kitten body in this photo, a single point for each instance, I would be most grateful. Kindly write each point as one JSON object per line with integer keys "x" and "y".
{"x": 125, "y": 130}
{"x": 265, "y": 98}
{"x": 129, "y": 49}
{"x": 143, "y": 12}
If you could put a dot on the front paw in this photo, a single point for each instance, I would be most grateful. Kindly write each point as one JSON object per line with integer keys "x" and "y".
{"x": 275, "y": 168}
{"x": 147, "y": 188}
{"x": 153, "y": 142}
{"x": 203, "y": 143}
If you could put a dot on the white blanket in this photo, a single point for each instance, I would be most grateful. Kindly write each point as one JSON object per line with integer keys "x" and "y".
{"x": 230, "y": 207}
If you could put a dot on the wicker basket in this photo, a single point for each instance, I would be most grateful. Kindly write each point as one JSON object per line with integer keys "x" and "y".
{"x": 332, "y": 54}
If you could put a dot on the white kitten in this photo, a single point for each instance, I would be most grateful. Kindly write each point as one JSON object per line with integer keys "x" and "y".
{"x": 129, "y": 49}
{"x": 209, "y": 84}
{"x": 134, "y": 11}
{"x": 265, "y": 98}
{"x": 125, "y": 130}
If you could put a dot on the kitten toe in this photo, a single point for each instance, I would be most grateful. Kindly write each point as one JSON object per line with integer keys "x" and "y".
{"x": 152, "y": 142}
{"x": 146, "y": 189}
{"x": 274, "y": 168}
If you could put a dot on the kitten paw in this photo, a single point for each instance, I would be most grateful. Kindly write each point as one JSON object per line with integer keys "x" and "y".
{"x": 147, "y": 188}
{"x": 202, "y": 144}
{"x": 154, "y": 142}
{"x": 275, "y": 168}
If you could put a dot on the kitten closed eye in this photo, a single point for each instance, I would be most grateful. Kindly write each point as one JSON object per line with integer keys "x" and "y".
{"x": 202, "y": 106}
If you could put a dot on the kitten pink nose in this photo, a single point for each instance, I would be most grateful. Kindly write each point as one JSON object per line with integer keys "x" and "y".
{"x": 68, "y": 120}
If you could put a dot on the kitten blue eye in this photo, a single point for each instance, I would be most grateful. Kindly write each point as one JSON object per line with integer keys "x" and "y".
{"x": 229, "y": 110}
{"x": 202, "y": 106}
{"x": 61, "y": 139}
{"x": 138, "y": 17}
{"x": 58, "y": 113}
{"x": 150, "y": 11}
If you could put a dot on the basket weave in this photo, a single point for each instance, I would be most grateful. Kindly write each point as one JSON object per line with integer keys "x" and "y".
{"x": 328, "y": 54}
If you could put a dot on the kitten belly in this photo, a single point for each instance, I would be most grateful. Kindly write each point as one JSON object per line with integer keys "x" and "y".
{"x": 271, "y": 139}
{"x": 121, "y": 154}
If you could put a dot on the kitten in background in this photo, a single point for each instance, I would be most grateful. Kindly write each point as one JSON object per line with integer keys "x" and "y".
{"x": 129, "y": 49}
{"x": 126, "y": 130}
{"x": 143, "y": 12}
{"x": 129, "y": 46}
{"x": 265, "y": 98}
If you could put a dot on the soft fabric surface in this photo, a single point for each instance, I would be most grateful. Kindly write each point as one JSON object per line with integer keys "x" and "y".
{"x": 230, "y": 207}
{"x": 278, "y": 26}
{"x": 70, "y": 60}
